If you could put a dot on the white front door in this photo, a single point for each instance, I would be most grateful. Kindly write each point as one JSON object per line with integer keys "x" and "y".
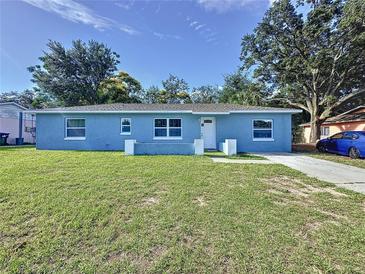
{"x": 208, "y": 132}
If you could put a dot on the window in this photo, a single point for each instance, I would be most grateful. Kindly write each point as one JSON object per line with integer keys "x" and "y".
{"x": 325, "y": 131}
{"x": 125, "y": 126}
{"x": 75, "y": 129}
{"x": 350, "y": 136}
{"x": 29, "y": 129}
{"x": 347, "y": 136}
{"x": 165, "y": 128}
{"x": 337, "y": 136}
{"x": 262, "y": 130}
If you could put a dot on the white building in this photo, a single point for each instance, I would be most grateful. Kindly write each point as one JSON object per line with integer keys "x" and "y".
{"x": 17, "y": 123}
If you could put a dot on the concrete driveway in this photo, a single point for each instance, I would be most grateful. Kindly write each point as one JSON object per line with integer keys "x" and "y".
{"x": 341, "y": 175}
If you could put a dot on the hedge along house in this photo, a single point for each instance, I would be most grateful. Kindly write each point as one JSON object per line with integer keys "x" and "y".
{"x": 165, "y": 128}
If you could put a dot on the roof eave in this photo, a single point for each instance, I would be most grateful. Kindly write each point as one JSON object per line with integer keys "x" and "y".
{"x": 160, "y": 111}
{"x": 13, "y": 103}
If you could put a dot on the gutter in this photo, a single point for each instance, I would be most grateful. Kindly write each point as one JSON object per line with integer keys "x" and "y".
{"x": 159, "y": 111}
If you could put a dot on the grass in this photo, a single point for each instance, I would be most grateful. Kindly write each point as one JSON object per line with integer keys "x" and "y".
{"x": 242, "y": 156}
{"x": 339, "y": 159}
{"x": 100, "y": 212}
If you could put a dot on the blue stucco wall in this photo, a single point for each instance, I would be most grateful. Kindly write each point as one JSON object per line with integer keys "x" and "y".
{"x": 103, "y": 131}
{"x": 164, "y": 149}
{"x": 239, "y": 127}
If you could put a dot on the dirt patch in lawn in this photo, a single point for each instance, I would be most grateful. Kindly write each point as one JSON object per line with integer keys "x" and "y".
{"x": 200, "y": 201}
{"x": 141, "y": 262}
{"x": 150, "y": 201}
{"x": 287, "y": 191}
{"x": 309, "y": 228}
{"x": 285, "y": 185}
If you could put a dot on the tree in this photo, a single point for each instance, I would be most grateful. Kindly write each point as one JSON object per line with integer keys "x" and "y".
{"x": 73, "y": 76}
{"x": 120, "y": 88}
{"x": 237, "y": 89}
{"x": 24, "y": 98}
{"x": 31, "y": 99}
{"x": 205, "y": 95}
{"x": 152, "y": 95}
{"x": 316, "y": 62}
{"x": 176, "y": 90}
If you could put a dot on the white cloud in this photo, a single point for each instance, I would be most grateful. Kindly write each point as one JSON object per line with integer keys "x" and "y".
{"x": 192, "y": 24}
{"x": 204, "y": 31}
{"x": 163, "y": 36}
{"x": 272, "y": 2}
{"x": 123, "y": 5}
{"x": 225, "y": 5}
{"x": 199, "y": 26}
{"x": 78, "y": 13}
{"x": 128, "y": 29}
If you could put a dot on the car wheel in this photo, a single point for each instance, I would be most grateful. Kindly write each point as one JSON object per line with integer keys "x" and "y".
{"x": 354, "y": 153}
{"x": 321, "y": 148}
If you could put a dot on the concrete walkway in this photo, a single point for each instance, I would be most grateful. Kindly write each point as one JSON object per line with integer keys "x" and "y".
{"x": 240, "y": 161}
{"x": 339, "y": 174}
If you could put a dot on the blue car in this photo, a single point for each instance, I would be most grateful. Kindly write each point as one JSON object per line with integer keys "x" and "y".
{"x": 349, "y": 143}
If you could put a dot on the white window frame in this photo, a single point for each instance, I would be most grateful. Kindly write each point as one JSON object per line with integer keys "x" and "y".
{"x": 66, "y": 128}
{"x": 130, "y": 126}
{"x": 263, "y": 139}
{"x": 167, "y": 129}
{"x": 323, "y": 129}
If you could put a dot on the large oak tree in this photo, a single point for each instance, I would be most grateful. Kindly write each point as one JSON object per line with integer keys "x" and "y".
{"x": 73, "y": 76}
{"x": 314, "y": 61}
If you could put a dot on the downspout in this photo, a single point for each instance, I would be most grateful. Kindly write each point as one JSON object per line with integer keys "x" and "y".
{"x": 20, "y": 124}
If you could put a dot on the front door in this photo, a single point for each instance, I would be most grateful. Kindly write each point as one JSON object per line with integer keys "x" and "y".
{"x": 208, "y": 132}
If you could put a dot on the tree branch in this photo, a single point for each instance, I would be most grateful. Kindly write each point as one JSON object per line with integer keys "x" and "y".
{"x": 299, "y": 105}
{"x": 325, "y": 114}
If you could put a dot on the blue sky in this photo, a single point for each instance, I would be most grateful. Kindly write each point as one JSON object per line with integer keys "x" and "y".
{"x": 198, "y": 40}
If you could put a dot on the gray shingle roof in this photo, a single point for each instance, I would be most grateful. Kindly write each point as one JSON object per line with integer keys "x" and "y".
{"x": 205, "y": 108}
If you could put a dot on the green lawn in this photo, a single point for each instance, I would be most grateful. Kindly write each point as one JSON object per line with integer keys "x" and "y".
{"x": 101, "y": 212}
{"x": 339, "y": 159}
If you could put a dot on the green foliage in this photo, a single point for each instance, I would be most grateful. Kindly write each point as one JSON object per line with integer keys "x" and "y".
{"x": 32, "y": 99}
{"x": 151, "y": 95}
{"x": 176, "y": 90}
{"x": 73, "y": 75}
{"x": 121, "y": 88}
{"x": 238, "y": 89}
{"x": 205, "y": 95}
{"x": 316, "y": 62}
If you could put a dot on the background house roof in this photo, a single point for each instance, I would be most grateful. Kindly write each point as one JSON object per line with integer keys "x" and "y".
{"x": 348, "y": 116}
{"x": 193, "y": 108}
{"x": 13, "y": 104}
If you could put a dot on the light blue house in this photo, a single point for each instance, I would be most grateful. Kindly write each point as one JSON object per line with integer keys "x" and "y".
{"x": 165, "y": 128}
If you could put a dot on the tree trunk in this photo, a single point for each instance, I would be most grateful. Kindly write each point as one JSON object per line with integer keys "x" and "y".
{"x": 315, "y": 128}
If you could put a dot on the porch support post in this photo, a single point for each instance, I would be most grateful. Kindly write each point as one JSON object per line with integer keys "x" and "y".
{"x": 199, "y": 146}
{"x": 230, "y": 147}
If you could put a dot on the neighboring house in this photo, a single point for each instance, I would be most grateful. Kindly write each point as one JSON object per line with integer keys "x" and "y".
{"x": 18, "y": 124}
{"x": 164, "y": 128}
{"x": 353, "y": 119}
